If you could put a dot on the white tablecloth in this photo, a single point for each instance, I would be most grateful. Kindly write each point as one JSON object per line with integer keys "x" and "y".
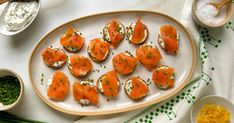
{"x": 15, "y": 52}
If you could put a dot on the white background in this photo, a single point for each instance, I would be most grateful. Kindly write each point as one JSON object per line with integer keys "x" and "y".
{"x": 15, "y": 50}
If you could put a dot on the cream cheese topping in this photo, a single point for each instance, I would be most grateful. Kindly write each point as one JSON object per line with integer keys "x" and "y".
{"x": 49, "y": 82}
{"x": 100, "y": 88}
{"x": 19, "y": 14}
{"x": 128, "y": 86}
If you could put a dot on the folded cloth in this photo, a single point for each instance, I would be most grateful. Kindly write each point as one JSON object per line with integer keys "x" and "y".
{"x": 213, "y": 76}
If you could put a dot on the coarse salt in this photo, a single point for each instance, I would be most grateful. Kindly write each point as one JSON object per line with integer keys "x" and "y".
{"x": 208, "y": 13}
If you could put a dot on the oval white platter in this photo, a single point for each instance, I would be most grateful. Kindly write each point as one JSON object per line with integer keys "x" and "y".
{"x": 91, "y": 26}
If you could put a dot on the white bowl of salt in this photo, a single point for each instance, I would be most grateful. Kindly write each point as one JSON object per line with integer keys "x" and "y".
{"x": 207, "y": 15}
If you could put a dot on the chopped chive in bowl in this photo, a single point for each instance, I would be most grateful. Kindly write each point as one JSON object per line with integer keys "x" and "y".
{"x": 9, "y": 89}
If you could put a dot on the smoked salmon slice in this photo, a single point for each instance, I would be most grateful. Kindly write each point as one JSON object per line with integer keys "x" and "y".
{"x": 164, "y": 77}
{"x": 168, "y": 39}
{"x": 114, "y": 32}
{"x": 79, "y": 66}
{"x": 58, "y": 86}
{"x": 72, "y": 40}
{"x": 85, "y": 93}
{"x": 98, "y": 49}
{"x": 54, "y": 57}
{"x": 124, "y": 63}
{"x": 149, "y": 56}
{"x": 108, "y": 84}
{"x": 137, "y": 32}
{"x": 136, "y": 88}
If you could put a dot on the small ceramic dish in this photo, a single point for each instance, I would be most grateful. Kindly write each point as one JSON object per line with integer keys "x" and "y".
{"x": 212, "y": 99}
{"x": 3, "y": 29}
{"x": 5, "y": 72}
{"x": 229, "y": 14}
